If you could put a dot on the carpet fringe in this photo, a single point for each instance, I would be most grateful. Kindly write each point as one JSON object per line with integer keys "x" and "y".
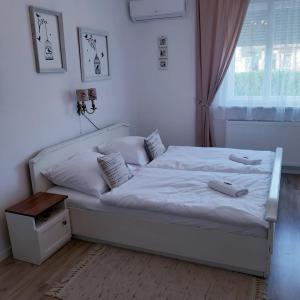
{"x": 56, "y": 290}
{"x": 260, "y": 289}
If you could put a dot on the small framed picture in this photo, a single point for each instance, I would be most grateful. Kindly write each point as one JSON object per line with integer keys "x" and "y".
{"x": 163, "y": 53}
{"x": 162, "y": 41}
{"x": 163, "y": 64}
{"x": 48, "y": 40}
{"x": 94, "y": 54}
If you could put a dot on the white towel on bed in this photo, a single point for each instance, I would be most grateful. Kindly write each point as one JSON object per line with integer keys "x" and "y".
{"x": 228, "y": 188}
{"x": 244, "y": 160}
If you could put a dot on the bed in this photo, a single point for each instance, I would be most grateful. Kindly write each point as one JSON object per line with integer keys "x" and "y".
{"x": 245, "y": 249}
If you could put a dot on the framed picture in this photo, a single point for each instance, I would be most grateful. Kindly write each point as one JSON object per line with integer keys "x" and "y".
{"x": 162, "y": 41}
{"x": 163, "y": 64}
{"x": 94, "y": 54}
{"x": 48, "y": 40}
{"x": 162, "y": 53}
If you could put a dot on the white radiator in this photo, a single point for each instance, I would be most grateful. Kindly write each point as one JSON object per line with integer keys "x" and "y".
{"x": 266, "y": 136}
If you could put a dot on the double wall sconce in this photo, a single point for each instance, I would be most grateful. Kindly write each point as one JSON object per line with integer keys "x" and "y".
{"x": 82, "y": 97}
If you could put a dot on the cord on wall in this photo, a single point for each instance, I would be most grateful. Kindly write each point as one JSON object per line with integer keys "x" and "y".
{"x": 91, "y": 121}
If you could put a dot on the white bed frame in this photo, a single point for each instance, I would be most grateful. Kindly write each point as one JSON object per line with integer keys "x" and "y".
{"x": 218, "y": 248}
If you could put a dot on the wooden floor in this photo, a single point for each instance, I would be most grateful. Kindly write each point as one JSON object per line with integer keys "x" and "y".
{"x": 284, "y": 279}
{"x": 20, "y": 280}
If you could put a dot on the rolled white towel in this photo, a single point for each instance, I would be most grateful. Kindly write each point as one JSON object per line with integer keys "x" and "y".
{"x": 244, "y": 160}
{"x": 228, "y": 188}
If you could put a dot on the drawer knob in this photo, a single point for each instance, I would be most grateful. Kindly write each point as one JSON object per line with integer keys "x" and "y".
{"x": 64, "y": 222}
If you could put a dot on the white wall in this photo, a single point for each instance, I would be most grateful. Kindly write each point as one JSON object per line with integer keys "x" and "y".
{"x": 37, "y": 110}
{"x": 167, "y": 98}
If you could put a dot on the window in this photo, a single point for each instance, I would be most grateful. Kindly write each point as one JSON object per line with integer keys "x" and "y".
{"x": 265, "y": 69}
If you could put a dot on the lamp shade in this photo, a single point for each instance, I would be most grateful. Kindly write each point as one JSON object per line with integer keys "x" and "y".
{"x": 82, "y": 95}
{"x": 93, "y": 94}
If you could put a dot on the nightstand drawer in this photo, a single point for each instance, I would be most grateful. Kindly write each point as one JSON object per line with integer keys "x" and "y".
{"x": 56, "y": 232}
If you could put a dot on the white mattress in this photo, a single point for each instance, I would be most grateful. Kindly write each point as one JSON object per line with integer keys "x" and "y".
{"x": 83, "y": 201}
{"x": 186, "y": 194}
{"x": 212, "y": 160}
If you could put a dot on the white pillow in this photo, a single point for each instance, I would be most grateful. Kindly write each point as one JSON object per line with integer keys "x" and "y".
{"x": 80, "y": 172}
{"x": 133, "y": 168}
{"x": 132, "y": 149}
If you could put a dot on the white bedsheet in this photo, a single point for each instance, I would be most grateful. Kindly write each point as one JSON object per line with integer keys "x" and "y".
{"x": 185, "y": 193}
{"x": 212, "y": 160}
{"x": 84, "y": 201}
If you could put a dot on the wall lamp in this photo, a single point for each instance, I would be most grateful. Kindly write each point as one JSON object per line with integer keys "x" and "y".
{"x": 82, "y": 97}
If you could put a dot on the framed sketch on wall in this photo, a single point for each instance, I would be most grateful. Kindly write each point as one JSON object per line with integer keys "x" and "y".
{"x": 162, "y": 41}
{"x": 162, "y": 53}
{"x": 94, "y": 54}
{"x": 163, "y": 64}
{"x": 48, "y": 40}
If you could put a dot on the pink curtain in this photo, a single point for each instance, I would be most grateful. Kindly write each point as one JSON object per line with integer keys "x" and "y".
{"x": 219, "y": 23}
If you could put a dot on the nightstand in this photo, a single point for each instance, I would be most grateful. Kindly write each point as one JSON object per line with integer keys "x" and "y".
{"x": 38, "y": 226}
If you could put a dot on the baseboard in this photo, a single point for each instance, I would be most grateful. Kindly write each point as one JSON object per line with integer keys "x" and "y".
{"x": 290, "y": 170}
{"x": 5, "y": 253}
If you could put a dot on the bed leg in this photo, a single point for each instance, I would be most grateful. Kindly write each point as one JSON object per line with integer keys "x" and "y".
{"x": 269, "y": 248}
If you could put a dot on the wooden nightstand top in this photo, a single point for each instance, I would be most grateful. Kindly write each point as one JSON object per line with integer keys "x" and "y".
{"x": 36, "y": 204}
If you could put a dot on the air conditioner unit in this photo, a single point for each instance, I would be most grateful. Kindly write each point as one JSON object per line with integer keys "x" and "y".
{"x": 147, "y": 10}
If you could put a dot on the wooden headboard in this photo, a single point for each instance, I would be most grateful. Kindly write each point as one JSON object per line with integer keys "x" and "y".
{"x": 60, "y": 152}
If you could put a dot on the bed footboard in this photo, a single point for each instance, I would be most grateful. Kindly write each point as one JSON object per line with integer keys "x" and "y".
{"x": 242, "y": 253}
{"x": 272, "y": 203}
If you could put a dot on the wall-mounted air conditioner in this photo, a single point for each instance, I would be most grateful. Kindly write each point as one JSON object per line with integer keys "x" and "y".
{"x": 146, "y": 10}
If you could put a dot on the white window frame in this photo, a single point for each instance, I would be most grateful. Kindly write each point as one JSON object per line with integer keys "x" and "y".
{"x": 271, "y": 101}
